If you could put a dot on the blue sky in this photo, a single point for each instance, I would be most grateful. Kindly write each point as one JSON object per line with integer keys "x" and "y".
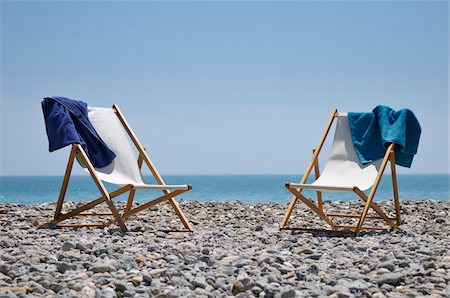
{"x": 222, "y": 87}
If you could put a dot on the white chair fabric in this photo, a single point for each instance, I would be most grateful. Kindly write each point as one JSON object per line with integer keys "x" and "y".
{"x": 343, "y": 170}
{"x": 124, "y": 169}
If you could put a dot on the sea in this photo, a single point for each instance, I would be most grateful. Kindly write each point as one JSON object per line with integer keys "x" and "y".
{"x": 250, "y": 189}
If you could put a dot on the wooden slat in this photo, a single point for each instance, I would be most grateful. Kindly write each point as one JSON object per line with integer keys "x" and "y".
{"x": 363, "y": 227}
{"x": 319, "y": 230}
{"x": 86, "y": 225}
{"x": 133, "y": 191}
{"x": 94, "y": 214}
{"x": 355, "y": 216}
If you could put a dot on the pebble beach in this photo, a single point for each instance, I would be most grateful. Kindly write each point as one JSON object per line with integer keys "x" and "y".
{"x": 236, "y": 250}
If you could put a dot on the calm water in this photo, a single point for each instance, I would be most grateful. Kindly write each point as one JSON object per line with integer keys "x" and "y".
{"x": 246, "y": 188}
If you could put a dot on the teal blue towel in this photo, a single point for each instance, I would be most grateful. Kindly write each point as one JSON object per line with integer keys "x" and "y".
{"x": 373, "y": 132}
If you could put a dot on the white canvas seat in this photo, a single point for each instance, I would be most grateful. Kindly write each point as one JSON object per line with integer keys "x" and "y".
{"x": 344, "y": 172}
{"x": 124, "y": 168}
{"x": 124, "y": 171}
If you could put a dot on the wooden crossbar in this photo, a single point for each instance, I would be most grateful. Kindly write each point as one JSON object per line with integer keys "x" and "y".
{"x": 84, "y": 225}
{"x": 364, "y": 227}
{"x": 354, "y": 216}
{"x": 95, "y": 214}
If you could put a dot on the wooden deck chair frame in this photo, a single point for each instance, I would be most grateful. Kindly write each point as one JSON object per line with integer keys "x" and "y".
{"x": 393, "y": 222}
{"x": 118, "y": 218}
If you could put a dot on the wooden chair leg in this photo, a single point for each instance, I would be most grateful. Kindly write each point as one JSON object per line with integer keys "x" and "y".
{"x": 86, "y": 206}
{"x": 374, "y": 188}
{"x": 116, "y": 214}
{"x": 65, "y": 183}
{"x": 149, "y": 204}
{"x": 288, "y": 212}
{"x": 316, "y": 152}
{"x": 395, "y": 188}
{"x": 130, "y": 200}
{"x": 375, "y": 207}
{"x": 311, "y": 205}
{"x": 144, "y": 157}
{"x": 180, "y": 214}
{"x": 317, "y": 174}
{"x": 102, "y": 188}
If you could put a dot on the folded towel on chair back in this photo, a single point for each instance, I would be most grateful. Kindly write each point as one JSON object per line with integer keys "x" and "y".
{"x": 67, "y": 122}
{"x": 373, "y": 132}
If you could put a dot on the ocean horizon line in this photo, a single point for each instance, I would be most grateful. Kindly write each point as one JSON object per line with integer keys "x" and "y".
{"x": 248, "y": 188}
{"x": 387, "y": 173}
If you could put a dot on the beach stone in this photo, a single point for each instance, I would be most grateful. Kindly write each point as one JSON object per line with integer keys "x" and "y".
{"x": 226, "y": 254}
{"x": 286, "y": 293}
{"x": 445, "y": 259}
{"x": 199, "y": 282}
{"x": 105, "y": 293}
{"x": 256, "y": 290}
{"x": 139, "y": 260}
{"x": 342, "y": 295}
{"x": 63, "y": 267}
{"x": 302, "y": 250}
{"x": 4, "y": 269}
{"x": 439, "y": 220}
{"x": 83, "y": 245}
{"x": 102, "y": 268}
{"x": 68, "y": 246}
{"x": 314, "y": 256}
{"x": 121, "y": 286}
{"x": 228, "y": 259}
{"x": 136, "y": 280}
{"x": 156, "y": 272}
{"x": 383, "y": 271}
{"x": 238, "y": 287}
{"x": 357, "y": 285}
{"x": 147, "y": 279}
{"x": 429, "y": 265}
{"x": 388, "y": 265}
{"x": 57, "y": 286}
{"x": 129, "y": 293}
{"x": 393, "y": 279}
{"x": 87, "y": 292}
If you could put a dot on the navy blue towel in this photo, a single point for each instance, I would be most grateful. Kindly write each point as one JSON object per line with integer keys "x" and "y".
{"x": 67, "y": 122}
{"x": 373, "y": 132}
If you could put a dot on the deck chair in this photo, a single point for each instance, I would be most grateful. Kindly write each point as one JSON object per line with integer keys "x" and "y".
{"x": 124, "y": 171}
{"x": 344, "y": 173}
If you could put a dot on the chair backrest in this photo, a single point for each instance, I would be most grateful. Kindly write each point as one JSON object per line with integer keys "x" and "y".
{"x": 343, "y": 167}
{"x": 124, "y": 168}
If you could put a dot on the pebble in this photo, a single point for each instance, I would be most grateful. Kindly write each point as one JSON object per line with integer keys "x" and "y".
{"x": 67, "y": 246}
{"x": 236, "y": 249}
{"x": 393, "y": 279}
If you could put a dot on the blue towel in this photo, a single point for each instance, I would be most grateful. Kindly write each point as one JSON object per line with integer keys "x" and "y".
{"x": 373, "y": 132}
{"x": 67, "y": 122}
